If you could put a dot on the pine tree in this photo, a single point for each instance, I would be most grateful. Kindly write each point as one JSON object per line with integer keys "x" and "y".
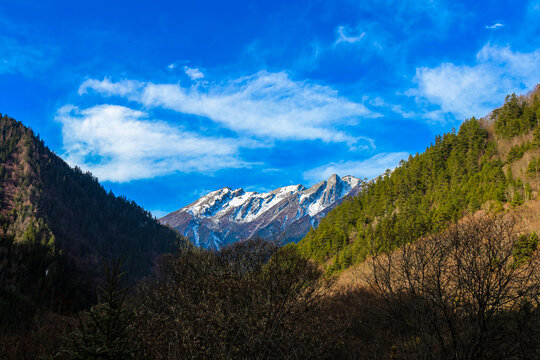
{"x": 103, "y": 333}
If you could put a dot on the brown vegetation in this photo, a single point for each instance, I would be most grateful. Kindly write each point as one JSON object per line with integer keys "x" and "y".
{"x": 463, "y": 294}
{"x": 471, "y": 292}
{"x": 250, "y": 301}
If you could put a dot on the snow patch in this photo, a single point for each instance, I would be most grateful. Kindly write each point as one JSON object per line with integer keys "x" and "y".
{"x": 224, "y": 207}
{"x": 316, "y": 208}
{"x": 195, "y": 229}
{"x": 216, "y": 240}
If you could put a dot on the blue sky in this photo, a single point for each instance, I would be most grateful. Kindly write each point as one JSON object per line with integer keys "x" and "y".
{"x": 165, "y": 101}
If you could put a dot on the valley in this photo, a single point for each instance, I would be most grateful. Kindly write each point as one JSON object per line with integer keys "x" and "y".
{"x": 443, "y": 249}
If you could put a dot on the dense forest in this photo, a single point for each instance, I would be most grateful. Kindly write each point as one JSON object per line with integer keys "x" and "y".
{"x": 460, "y": 173}
{"x": 471, "y": 292}
{"x": 57, "y": 223}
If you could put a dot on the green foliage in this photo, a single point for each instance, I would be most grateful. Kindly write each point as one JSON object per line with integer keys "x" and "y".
{"x": 533, "y": 169}
{"x": 457, "y": 174}
{"x": 104, "y": 332}
{"x": 423, "y": 195}
{"x": 69, "y": 212}
{"x": 516, "y": 152}
{"x": 525, "y": 247}
{"x": 508, "y": 117}
{"x": 536, "y": 136}
{"x": 517, "y": 190}
{"x": 516, "y": 117}
{"x": 517, "y": 199}
{"x": 28, "y": 273}
{"x": 528, "y": 191}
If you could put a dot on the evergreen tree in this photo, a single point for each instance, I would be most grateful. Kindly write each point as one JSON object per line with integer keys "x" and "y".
{"x": 460, "y": 173}
{"x": 104, "y": 330}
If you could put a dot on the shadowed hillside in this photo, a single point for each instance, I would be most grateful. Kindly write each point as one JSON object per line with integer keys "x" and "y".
{"x": 58, "y": 222}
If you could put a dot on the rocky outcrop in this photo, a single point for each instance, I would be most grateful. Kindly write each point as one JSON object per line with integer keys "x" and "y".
{"x": 287, "y": 213}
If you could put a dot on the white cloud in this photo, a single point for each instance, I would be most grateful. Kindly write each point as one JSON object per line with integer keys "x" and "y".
{"x": 171, "y": 66}
{"x": 494, "y": 26}
{"x": 193, "y": 73}
{"x": 109, "y": 88}
{"x": 344, "y": 36}
{"x": 119, "y": 144}
{"x": 369, "y": 168}
{"x": 266, "y": 105}
{"x": 396, "y": 108}
{"x": 19, "y": 58}
{"x": 465, "y": 91}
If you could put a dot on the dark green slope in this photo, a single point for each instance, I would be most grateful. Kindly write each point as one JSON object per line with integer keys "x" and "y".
{"x": 458, "y": 174}
{"x": 58, "y": 222}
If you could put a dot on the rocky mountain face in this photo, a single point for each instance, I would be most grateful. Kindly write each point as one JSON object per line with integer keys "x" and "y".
{"x": 287, "y": 213}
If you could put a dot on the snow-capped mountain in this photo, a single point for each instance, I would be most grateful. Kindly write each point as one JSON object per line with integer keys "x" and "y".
{"x": 287, "y": 213}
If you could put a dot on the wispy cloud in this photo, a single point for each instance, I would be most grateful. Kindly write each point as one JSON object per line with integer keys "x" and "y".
{"x": 16, "y": 57}
{"x": 265, "y": 105}
{"x": 193, "y": 73}
{"x": 109, "y": 88}
{"x": 345, "y": 36}
{"x": 425, "y": 18}
{"x": 369, "y": 168}
{"x": 494, "y": 26}
{"x": 393, "y": 31}
{"x": 396, "y": 108}
{"x": 120, "y": 144}
{"x": 474, "y": 90}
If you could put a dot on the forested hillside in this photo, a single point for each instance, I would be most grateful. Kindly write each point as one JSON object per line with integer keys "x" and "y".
{"x": 490, "y": 163}
{"x": 469, "y": 290}
{"x": 58, "y": 222}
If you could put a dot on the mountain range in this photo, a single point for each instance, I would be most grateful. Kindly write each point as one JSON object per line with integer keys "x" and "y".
{"x": 58, "y": 222}
{"x": 287, "y": 213}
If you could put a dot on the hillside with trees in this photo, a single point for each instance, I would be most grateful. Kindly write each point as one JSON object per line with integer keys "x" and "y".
{"x": 470, "y": 292}
{"x": 488, "y": 164}
{"x": 452, "y": 275}
{"x": 57, "y": 222}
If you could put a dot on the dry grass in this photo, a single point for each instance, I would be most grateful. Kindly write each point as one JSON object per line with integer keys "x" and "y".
{"x": 525, "y": 217}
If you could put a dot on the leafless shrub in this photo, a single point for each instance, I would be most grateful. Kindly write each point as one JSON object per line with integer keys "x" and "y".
{"x": 252, "y": 301}
{"x": 462, "y": 294}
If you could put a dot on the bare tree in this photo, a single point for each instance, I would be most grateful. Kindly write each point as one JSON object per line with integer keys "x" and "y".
{"x": 251, "y": 301}
{"x": 462, "y": 294}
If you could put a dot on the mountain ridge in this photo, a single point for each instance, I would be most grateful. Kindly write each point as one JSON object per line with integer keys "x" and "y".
{"x": 224, "y": 216}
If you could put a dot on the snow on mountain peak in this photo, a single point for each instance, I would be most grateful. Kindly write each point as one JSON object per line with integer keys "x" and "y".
{"x": 235, "y": 214}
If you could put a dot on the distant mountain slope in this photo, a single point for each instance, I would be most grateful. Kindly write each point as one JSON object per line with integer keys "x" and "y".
{"x": 45, "y": 204}
{"x": 225, "y": 216}
{"x": 491, "y": 164}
